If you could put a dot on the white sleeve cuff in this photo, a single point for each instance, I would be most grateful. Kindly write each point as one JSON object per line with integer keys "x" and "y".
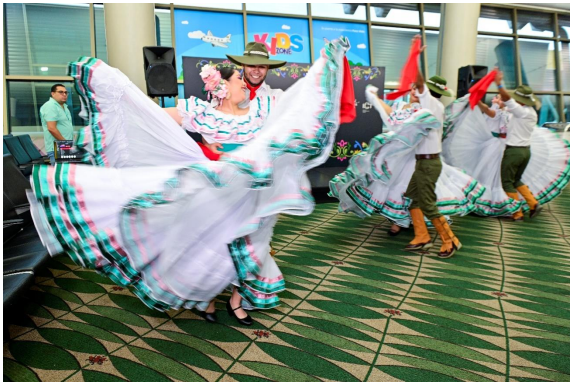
{"x": 423, "y": 93}
{"x": 511, "y": 104}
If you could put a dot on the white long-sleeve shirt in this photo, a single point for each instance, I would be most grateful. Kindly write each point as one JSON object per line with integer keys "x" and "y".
{"x": 432, "y": 143}
{"x": 263, "y": 91}
{"x": 521, "y": 124}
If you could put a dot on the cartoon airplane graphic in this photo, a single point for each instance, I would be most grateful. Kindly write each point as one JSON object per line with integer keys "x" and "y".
{"x": 215, "y": 41}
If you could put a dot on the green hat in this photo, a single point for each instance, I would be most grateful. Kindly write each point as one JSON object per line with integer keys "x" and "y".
{"x": 438, "y": 84}
{"x": 524, "y": 94}
{"x": 256, "y": 54}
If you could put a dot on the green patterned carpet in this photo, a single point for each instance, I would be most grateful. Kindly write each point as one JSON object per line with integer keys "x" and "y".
{"x": 357, "y": 308}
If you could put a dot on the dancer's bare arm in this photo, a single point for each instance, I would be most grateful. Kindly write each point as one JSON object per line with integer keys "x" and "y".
{"x": 173, "y": 113}
{"x": 502, "y": 91}
{"x": 420, "y": 81}
{"x": 386, "y": 107}
{"x": 486, "y": 110}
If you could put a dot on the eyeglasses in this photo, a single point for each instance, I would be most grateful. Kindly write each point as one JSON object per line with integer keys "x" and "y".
{"x": 62, "y": 92}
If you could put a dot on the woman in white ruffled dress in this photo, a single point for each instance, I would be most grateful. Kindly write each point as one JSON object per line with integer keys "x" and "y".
{"x": 474, "y": 140}
{"x": 376, "y": 179}
{"x": 162, "y": 218}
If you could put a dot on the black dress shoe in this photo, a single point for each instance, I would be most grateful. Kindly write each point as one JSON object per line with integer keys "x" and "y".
{"x": 247, "y": 321}
{"x": 211, "y": 317}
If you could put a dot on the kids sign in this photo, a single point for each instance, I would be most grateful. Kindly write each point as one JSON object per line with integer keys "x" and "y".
{"x": 281, "y": 43}
{"x": 285, "y": 38}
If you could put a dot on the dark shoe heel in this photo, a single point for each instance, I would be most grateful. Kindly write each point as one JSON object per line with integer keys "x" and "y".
{"x": 247, "y": 321}
{"x": 211, "y": 317}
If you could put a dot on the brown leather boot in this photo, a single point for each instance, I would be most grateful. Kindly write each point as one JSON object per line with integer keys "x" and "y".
{"x": 422, "y": 239}
{"x": 450, "y": 243}
{"x": 517, "y": 216}
{"x": 534, "y": 207}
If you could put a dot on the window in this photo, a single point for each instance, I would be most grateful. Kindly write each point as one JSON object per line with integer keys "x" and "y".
{"x": 163, "y": 27}
{"x": 498, "y": 51}
{"x": 395, "y": 13}
{"x": 42, "y": 38}
{"x": 233, "y": 6}
{"x": 495, "y": 20}
{"x": 535, "y": 24}
{"x": 287, "y": 8}
{"x": 390, "y": 49}
{"x": 354, "y": 11}
{"x": 565, "y": 62}
{"x": 564, "y": 25}
{"x": 432, "y": 41}
{"x": 549, "y": 111}
{"x": 432, "y": 14}
{"x": 25, "y": 100}
{"x": 101, "y": 43}
{"x": 538, "y": 61}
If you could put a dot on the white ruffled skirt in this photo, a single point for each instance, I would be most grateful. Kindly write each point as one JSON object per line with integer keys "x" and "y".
{"x": 469, "y": 144}
{"x": 183, "y": 231}
{"x": 376, "y": 180}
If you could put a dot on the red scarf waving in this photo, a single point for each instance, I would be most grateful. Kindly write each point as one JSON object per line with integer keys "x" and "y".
{"x": 409, "y": 72}
{"x": 347, "y": 106}
{"x": 478, "y": 90}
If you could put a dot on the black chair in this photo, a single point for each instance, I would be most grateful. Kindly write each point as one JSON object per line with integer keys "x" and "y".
{"x": 31, "y": 149}
{"x": 14, "y": 284}
{"x": 22, "y": 248}
{"x": 15, "y": 184}
{"x": 22, "y": 158}
{"x": 12, "y": 224}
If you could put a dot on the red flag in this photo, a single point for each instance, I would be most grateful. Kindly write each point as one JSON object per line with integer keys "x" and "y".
{"x": 478, "y": 90}
{"x": 409, "y": 72}
{"x": 347, "y": 106}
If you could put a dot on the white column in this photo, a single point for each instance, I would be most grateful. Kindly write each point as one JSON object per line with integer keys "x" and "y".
{"x": 458, "y": 41}
{"x": 129, "y": 28}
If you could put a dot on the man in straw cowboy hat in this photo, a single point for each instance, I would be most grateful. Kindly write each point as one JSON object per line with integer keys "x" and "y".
{"x": 256, "y": 64}
{"x": 422, "y": 186}
{"x": 520, "y": 104}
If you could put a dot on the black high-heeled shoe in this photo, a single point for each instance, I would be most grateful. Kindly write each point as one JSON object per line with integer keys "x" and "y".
{"x": 247, "y": 321}
{"x": 211, "y": 317}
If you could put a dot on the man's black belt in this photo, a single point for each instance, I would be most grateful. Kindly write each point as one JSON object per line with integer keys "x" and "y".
{"x": 517, "y": 147}
{"x": 427, "y": 156}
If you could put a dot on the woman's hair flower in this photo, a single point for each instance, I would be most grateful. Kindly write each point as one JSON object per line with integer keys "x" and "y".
{"x": 215, "y": 86}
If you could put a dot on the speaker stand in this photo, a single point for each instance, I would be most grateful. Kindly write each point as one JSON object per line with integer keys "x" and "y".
{"x": 162, "y": 102}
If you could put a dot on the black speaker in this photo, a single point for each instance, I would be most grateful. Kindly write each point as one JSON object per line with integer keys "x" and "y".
{"x": 468, "y": 76}
{"x": 160, "y": 74}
